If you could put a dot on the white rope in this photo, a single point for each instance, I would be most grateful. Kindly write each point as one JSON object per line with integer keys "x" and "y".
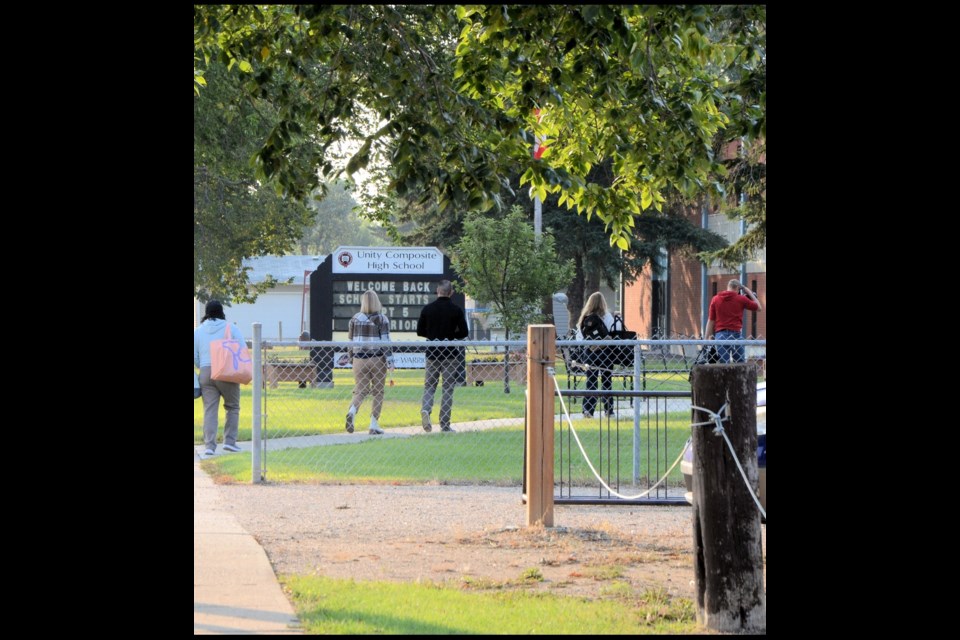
{"x": 566, "y": 413}
{"x": 718, "y": 430}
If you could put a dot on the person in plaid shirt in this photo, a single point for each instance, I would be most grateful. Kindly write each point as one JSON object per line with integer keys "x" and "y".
{"x": 372, "y": 356}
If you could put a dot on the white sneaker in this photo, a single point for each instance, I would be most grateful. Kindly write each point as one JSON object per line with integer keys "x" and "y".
{"x": 375, "y": 427}
{"x": 209, "y": 453}
{"x": 231, "y": 448}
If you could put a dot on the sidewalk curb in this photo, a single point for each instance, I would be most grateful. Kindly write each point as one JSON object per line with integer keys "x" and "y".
{"x": 234, "y": 587}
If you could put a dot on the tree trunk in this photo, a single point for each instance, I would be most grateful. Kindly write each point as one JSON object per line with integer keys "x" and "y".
{"x": 575, "y": 292}
{"x": 546, "y": 308}
{"x": 506, "y": 363}
{"x": 728, "y": 560}
{"x": 592, "y": 283}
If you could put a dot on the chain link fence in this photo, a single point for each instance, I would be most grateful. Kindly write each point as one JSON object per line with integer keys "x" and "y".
{"x": 628, "y": 402}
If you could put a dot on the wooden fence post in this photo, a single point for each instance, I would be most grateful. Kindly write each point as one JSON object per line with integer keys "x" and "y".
{"x": 541, "y": 349}
{"x": 728, "y": 555}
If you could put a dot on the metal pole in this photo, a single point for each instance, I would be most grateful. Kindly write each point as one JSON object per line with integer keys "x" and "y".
{"x": 303, "y": 302}
{"x": 666, "y": 299}
{"x": 255, "y": 475}
{"x": 537, "y": 217}
{"x": 623, "y": 289}
{"x": 636, "y": 414}
{"x": 743, "y": 265}
{"x": 537, "y": 209}
{"x": 704, "y": 295}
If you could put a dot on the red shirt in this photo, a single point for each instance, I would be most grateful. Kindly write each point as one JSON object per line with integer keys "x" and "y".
{"x": 726, "y": 310}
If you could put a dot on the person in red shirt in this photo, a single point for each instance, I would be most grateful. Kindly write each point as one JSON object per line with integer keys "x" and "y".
{"x": 726, "y": 318}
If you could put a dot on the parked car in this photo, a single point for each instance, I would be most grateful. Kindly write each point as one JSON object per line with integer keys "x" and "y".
{"x": 686, "y": 465}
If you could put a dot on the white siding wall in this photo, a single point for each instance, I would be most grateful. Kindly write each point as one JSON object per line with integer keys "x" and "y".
{"x": 730, "y": 229}
{"x": 281, "y": 304}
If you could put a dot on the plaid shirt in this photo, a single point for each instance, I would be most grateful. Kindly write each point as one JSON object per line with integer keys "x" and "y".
{"x": 373, "y": 330}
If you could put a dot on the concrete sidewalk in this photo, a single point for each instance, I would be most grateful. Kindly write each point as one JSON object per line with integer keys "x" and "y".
{"x": 234, "y": 588}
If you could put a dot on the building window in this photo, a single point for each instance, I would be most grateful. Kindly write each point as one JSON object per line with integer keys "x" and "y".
{"x": 660, "y": 302}
{"x": 658, "y": 327}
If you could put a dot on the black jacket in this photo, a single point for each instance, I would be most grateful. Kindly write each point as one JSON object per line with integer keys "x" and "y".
{"x": 442, "y": 320}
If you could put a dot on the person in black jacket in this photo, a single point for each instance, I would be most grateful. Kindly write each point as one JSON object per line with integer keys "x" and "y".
{"x": 441, "y": 320}
{"x": 595, "y": 323}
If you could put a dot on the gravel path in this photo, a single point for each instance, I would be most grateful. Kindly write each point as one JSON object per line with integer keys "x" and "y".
{"x": 454, "y": 533}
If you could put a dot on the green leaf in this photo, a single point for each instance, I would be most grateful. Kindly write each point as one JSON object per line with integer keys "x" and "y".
{"x": 245, "y": 66}
{"x": 646, "y": 199}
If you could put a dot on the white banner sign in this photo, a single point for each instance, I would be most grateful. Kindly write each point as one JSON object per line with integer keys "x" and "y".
{"x": 400, "y": 360}
{"x": 367, "y": 260}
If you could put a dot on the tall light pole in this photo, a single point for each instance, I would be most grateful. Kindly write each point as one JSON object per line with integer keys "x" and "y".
{"x": 537, "y": 208}
{"x": 743, "y": 265}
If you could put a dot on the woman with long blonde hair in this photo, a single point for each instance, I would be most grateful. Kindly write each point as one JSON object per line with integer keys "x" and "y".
{"x": 372, "y": 357}
{"x": 594, "y": 324}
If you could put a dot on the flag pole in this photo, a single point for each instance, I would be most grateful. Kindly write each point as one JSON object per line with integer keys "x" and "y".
{"x": 537, "y": 207}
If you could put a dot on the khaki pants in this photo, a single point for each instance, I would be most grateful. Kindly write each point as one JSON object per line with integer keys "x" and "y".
{"x": 369, "y": 375}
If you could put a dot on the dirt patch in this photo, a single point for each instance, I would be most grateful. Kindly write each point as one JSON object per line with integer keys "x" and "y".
{"x": 471, "y": 536}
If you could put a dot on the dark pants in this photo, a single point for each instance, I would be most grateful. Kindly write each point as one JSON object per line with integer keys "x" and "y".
{"x": 447, "y": 367}
{"x": 212, "y": 391}
{"x": 606, "y": 380}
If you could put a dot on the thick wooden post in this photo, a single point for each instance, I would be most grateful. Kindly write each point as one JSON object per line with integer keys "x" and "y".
{"x": 541, "y": 348}
{"x": 728, "y": 557}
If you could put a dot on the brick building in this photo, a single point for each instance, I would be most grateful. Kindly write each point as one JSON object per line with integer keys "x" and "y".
{"x": 672, "y": 304}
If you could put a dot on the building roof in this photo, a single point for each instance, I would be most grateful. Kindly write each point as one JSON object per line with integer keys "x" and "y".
{"x": 281, "y": 267}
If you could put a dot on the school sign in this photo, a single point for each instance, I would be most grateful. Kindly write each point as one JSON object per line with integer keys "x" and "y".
{"x": 405, "y": 279}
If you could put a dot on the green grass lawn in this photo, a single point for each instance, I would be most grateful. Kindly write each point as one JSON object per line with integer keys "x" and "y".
{"x": 328, "y": 606}
{"x": 292, "y": 411}
{"x": 493, "y": 456}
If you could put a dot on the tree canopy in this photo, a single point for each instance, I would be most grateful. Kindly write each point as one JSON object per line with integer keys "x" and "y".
{"x": 443, "y": 98}
{"x": 233, "y": 216}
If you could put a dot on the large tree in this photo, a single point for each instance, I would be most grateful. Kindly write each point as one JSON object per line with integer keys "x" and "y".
{"x": 234, "y": 216}
{"x": 443, "y": 97}
{"x": 584, "y": 239}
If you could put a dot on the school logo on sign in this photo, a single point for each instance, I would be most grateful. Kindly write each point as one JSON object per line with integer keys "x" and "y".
{"x": 345, "y": 259}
